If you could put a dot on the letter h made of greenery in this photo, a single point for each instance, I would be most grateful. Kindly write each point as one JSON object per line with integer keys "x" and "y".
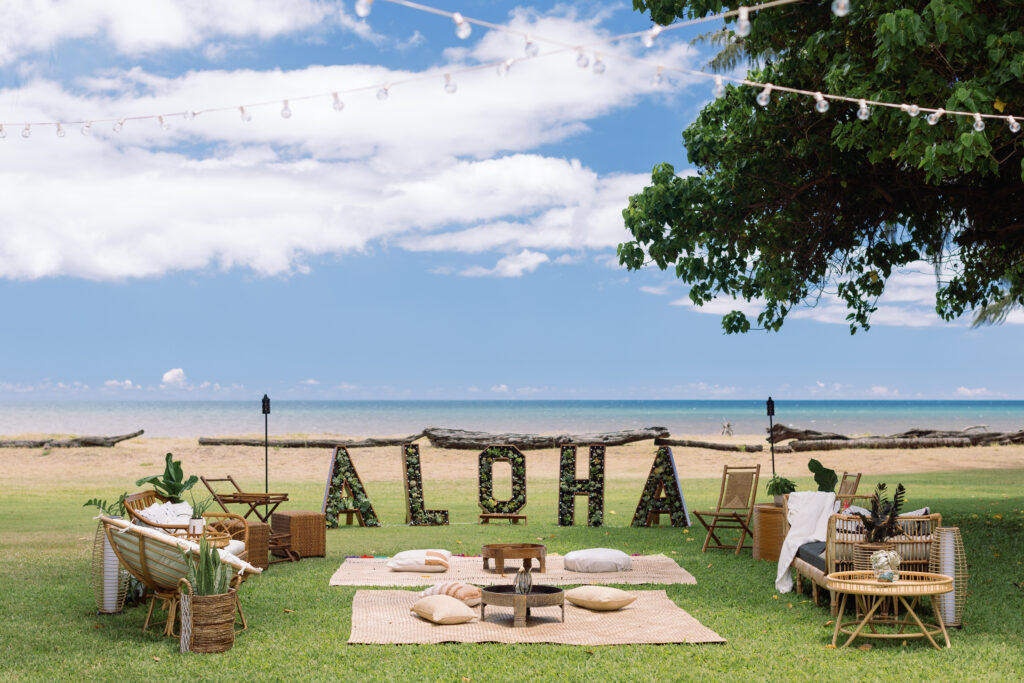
{"x": 569, "y": 487}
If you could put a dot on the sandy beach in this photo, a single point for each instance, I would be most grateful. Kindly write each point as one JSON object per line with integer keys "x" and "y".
{"x": 37, "y": 468}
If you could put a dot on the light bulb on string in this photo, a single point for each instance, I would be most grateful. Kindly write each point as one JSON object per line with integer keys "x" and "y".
{"x": 765, "y": 96}
{"x": 531, "y": 48}
{"x": 743, "y": 23}
{"x": 820, "y": 103}
{"x": 911, "y": 109}
{"x": 582, "y": 61}
{"x": 648, "y": 39}
{"x": 979, "y": 123}
{"x": 3, "y": 133}
{"x": 87, "y": 129}
{"x": 245, "y": 115}
{"x": 27, "y": 131}
{"x": 462, "y": 27}
{"x": 449, "y": 85}
{"x": 863, "y": 113}
{"x": 505, "y": 67}
{"x": 1014, "y": 124}
{"x": 118, "y": 125}
{"x": 337, "y": 104}
{"x": 363, "y": 8}
{"x": 189, "y": 115}
{"x": 719, "y": 90}
{"x": 286, "y": 111}
{"x": 934, "y": 117}
{"x": 598, "y": 65}
{"x": 164, "y": 125}
{"x": 382, "y": 94}
{"x": 841, "y": 8}
{"x": 659, "y": 78}
{"x": 60, "y": 131}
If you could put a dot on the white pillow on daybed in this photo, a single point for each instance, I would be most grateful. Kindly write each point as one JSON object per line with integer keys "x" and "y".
{"x": 598, "y": 560}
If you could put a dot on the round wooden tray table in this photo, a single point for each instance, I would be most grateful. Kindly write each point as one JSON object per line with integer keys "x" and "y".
{"x": 521, "y": 603}
{"x": 912, "y": 585}
{"x": 527, "y": 552}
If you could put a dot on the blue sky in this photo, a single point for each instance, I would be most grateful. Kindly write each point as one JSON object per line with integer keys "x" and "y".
{"x": 432, "y": 245}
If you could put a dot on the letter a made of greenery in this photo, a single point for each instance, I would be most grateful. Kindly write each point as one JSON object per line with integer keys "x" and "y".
{"x": 345, "y": 492}
{"x": 662, "y": 494}
{"x": 517, "y": 460}
{"x": 569, "y": 487}
{"x": 415, "y": 515}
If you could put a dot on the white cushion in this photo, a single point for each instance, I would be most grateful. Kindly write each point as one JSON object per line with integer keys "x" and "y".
{"x": 456, "y": 589}
{"x": 167, "y": 513}
{"x": 917, "y": 513}
{"x": 599, "y": 598}
{"x": 443, "y": 609}
{"x": 431, "y": 560}
{"x": 235, "y": 546}
{"x": 596, "y": 560}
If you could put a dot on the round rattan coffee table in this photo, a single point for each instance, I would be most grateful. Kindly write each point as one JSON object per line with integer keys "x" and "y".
{"x": 910, "y": 585}
{"x": 521, "y": 603}
{"x": 527, "y": 552}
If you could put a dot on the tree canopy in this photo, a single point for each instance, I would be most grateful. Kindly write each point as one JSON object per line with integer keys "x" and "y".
{"x": 790, "y": 204}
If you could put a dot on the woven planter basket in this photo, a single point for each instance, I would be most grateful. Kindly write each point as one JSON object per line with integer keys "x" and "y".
{"x": 207, "y": 621}
{"x": 109, "y": 580}
{"x": 947, "y": 557}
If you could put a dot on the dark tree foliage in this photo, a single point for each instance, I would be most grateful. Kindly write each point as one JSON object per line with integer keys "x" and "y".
{"x": 790, "y": 204}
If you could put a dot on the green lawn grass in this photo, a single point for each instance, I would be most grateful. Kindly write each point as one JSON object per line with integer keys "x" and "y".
{"x": 49, "y": 629}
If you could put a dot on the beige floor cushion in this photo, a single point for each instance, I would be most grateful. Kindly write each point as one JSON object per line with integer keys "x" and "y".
{"x": 443, "y": 609}
{"x": 460, "y": 591}
{"x": 599, "y": 598}
{"x": 424, "y": 561}
{"x": 595, "y": 560}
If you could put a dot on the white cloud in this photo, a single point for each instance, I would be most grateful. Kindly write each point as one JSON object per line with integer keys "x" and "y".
{"x": 883, "y": 391}
{"x": 174, "y": 377}
{"x": 309, "y": 382}
{"x": 972, "y": 393}
{"x": 500, "y": 388}
{"x": 513, "y": 265}
{"x": 120, "y": 384}
{"x": 659, "y": 290}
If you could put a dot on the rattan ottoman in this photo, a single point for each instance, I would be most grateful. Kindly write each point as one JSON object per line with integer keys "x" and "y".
{"x": 308, "y": 531}
{"x": 259, "y": 542}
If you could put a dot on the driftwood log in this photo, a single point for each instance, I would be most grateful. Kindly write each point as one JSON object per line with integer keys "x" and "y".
{"x": 839, "y": 444}
{"x": 77, "y": 442}
{"x": 810, "y": 440}
{"x": 782, "y": 433}
{"x": 687, "y": 443}
{"x": 311, "y": 443}
{"x": 466, "y": 440}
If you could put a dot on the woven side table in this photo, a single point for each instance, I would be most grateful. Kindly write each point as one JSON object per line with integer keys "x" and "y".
{"x": 259, "y": 541}
{"x": 307, "y": 529}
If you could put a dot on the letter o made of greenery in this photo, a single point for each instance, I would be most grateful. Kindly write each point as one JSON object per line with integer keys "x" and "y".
{"x": 517, "y": 460}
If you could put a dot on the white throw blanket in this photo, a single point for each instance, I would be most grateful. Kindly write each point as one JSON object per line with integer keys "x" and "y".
{"x": 808, "y": 522}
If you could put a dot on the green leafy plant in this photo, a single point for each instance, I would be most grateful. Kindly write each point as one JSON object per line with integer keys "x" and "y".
{"x": 171, "y": 484}
{"x": 199, "y": 507}
{"x": 825, "y": 478}
{"x": 112, "y": 509}
{"x": 883, "y": 523}
{"x": 780, "y": 486}
{"x": 207, "y": 574}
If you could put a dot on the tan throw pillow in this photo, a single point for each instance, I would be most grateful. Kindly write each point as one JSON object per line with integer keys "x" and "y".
{"x": 456, "y": 589}
{"x": 420, "y": 561}
{"x": 443, "y": 609}
{"x": 599, "y": 598}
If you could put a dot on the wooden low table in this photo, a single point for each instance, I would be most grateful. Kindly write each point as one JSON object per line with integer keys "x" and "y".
{"x": 527, "y": 552}
{"x": 910, "y": 585}
{"x": 486, "y": 517}
{"x": 768, "y": 534}
{"x": 522, "y": 603}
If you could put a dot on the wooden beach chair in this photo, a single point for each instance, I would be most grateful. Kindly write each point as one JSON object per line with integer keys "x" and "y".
{"x": 155, "y": 559}
{"x": 848, "y": 484}
{"x": 735, "y": 507}
{"x": 269, "y": 501}
{"x": 220, "y": 522}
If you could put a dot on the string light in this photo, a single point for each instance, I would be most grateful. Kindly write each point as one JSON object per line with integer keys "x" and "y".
{"x": 246, "y": 116}
{"x": 189, "y": 115}
{"x": 531, "y": 48}
{"x": 87, "y": 129}
{"x": 582, "y": 61}
{"x": 3, "y": 133}
{"x": 363, "y": 8}
{"x": 841, "y": 8}
{"x": 163, "y": 123}
{"x": 979, "y": 124}
{"x": 743, "y": 23}
{"x": 462, "y": 27}
{"x": 286, "y": 111}
{"x": 820, "y": 103}
{"x": 118, "y": 125}
{"x": 27, "y": 131}
{"x": 504, "y": 67}
{"x": 658, "y": 77}
{"x": 934, "y": 117}
{"x": 719, "y": 90}
{"x": 648, "y": 39}
{"x": 449, "y": 84}
{"x": 382, "y": 94}
{"x": 765, "y": 96}
{"x": 60, "y": 131}
{"x": 337, "y": 104}
{"x": 1013, "y": 123}
{"x": 598, "y": 64}
{"x": 911, "y": 109}
{"x": 862, "y": 110}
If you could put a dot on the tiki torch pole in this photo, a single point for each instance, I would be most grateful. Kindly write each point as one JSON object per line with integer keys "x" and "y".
{"x": 266, "y": 453}
{"x": 771, "y": 431}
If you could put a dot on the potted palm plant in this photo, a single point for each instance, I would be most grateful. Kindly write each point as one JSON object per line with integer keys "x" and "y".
{"x": 880, "y": 526}
{"x": 208, "y": 608}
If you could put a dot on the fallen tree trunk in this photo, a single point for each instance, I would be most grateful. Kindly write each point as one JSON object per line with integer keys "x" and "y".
{"x": 77, "y": 442}
{"x": 462, "y": 439}
{"x": 687, "y": 443}
{"x": 835, "y": 445}
{"x": 782, "y": 432}
{"x": 371, "y": 442}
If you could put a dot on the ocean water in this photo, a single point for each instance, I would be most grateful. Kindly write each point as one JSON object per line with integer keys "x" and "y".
{"x": 372, "y": 418}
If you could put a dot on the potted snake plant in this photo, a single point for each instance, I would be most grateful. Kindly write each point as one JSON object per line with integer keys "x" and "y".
{"x": 208, "y": 608}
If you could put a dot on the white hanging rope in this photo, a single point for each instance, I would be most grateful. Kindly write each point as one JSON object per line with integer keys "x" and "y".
{"x": 462, "y": 24}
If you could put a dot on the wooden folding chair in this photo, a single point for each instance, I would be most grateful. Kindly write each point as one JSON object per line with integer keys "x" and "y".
{"x": 848, "y": 484}
{"x": 735, "y": 507}
{"x": 269, "y": 501}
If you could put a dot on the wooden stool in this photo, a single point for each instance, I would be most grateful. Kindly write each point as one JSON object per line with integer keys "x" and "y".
{"x": 307, "y": 531}
{"x": 486, "y": 517}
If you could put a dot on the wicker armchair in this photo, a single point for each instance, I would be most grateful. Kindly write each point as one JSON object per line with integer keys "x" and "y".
{"x": 846, "y": 531}
{"x": 225, "y": 522}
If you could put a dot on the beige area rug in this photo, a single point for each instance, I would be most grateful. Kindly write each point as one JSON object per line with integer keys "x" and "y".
{"x": 383, "y": 617}
{"x": 373, "y": 571}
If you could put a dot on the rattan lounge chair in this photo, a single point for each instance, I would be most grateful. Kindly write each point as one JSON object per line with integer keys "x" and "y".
{"x": 846, "y": 531}
{"x": 155, "y": 559}
{"x": 224, "y": 522}
{"x": 734, "y": 509}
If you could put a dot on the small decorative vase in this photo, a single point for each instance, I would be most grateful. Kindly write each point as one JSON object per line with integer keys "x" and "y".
{"x": 524, "y": 582}
{"x": 862, "y": 553}
{"x": 886, "y": 565}
{"x": 196, "y": 526}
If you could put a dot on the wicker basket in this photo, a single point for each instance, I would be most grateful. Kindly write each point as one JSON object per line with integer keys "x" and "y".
{"x": 308, "y": 531}
{"x": 207, "y": 621}
{"x": 109, "y": 579}
{"x": 862, "y": 553}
